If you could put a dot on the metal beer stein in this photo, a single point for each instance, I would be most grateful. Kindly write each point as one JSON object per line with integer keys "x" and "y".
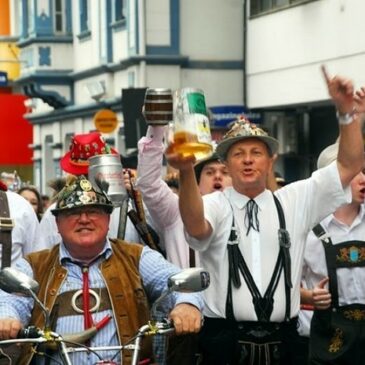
{"x": 108, "y": 168}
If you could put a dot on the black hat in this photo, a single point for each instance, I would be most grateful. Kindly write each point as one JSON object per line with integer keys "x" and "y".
{"x": 198, "y": 167}
{"x": 79, "y": 192}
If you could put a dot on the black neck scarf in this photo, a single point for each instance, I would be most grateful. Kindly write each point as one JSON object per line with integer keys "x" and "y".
{"x": 251, "y": 220}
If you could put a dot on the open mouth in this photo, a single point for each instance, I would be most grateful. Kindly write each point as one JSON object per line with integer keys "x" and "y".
{"x": 217, "y": 186}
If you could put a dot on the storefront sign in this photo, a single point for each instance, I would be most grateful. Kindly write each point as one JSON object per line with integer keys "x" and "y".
{"x": 221, "y": 116}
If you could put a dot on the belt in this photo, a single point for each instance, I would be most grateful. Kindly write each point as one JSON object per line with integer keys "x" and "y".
{"x": 70, "y": 303}
{"x": 219, "y": 323}
{"x": 352, "y": 312}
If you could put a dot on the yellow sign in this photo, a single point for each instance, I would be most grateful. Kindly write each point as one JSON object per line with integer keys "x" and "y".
{"x": 9, "y": 61}
{"x": 105, "y": 121}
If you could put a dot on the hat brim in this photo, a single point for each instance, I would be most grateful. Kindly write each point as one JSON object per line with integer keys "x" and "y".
{"x": 106, "y": 207}
{"x": 75, "y": 169}
{"x": 198, "y": 167}
{"x": 224, "y": 145}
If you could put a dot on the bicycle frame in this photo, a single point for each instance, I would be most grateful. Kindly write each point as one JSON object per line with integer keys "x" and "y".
{"x": 15, "y": 282}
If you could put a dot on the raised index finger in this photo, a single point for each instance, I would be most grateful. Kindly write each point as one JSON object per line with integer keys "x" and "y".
{"x": 325, "y": 74}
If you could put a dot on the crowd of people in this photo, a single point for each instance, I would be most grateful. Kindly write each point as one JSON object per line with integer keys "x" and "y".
{"x": 285, "y": 259}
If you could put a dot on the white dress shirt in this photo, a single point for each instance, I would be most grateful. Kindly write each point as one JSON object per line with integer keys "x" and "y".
{"x": 304, "y": 203}
{"x": 26, "y": 227}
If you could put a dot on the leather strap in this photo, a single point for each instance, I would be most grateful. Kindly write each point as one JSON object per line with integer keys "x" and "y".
{"x": 6, "y": 226}
{"x": 123, "y": 219}
{"x": 65, "y": 305}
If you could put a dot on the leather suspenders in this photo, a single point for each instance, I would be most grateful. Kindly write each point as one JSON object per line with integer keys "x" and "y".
{"x": 263, "y": 305}
{"x": 6, "y": 226}
{"x": 347, "y": 254}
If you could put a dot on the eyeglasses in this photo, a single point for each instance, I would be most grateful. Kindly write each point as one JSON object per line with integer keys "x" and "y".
{"x": 92, "y": 213}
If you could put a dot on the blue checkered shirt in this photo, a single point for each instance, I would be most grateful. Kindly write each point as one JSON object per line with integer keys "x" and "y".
{"x": 154, "y": 271}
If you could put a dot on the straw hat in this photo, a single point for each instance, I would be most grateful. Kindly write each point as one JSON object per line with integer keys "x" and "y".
{"x": 243, "y": 129}
{"x": 328, "y": 155}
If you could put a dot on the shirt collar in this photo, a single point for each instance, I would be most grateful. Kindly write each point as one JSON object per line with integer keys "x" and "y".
{"x": 240, "y": 200}
{"x": 66, "y": 256}
{"x": 332, "y": 219}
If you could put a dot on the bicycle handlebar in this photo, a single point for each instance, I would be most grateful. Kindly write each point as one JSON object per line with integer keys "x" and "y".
{"x": 35, "y": 336}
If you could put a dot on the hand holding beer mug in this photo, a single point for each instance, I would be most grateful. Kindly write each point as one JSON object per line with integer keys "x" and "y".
{"x": 189, "y": 133}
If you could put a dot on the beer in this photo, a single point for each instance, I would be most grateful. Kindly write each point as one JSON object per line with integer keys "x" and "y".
{"x": 190, "y": 130}
{"x": 187, "y": 144}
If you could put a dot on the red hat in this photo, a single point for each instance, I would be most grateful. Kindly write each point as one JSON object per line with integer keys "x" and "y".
{"x": 3, "y": 187}
{"x": 82, "y": 147}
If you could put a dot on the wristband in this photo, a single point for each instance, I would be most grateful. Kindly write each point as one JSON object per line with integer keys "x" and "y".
{"x": 347, "y": 118}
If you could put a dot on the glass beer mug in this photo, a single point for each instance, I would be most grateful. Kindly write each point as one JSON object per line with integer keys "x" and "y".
{"x": 189, "y": 133}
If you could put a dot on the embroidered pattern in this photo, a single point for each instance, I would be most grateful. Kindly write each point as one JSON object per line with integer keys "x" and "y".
{"x": 354, "y": 314}
{"x": 352, "y": 254}
{"x": 336, "y": 341}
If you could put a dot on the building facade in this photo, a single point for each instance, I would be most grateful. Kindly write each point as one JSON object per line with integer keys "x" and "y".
{"x": 287, "y": 41}
{"x": 78, "y": 56}
{"x": 15, "y": 131}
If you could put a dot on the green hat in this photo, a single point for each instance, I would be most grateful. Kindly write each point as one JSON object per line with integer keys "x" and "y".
{"x": 79, "y": 192}
{"x": 243, "y": 129}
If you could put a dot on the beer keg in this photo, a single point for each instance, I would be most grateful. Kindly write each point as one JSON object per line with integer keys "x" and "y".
{"x": 108, "y": 168}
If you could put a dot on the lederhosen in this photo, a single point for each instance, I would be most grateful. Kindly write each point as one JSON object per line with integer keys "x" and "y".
{"x": 337, "y": 335}
{"x": 229, "y": 342}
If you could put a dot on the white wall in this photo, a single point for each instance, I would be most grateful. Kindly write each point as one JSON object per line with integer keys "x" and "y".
{"x": 211, "y": 30}
{"x": 286, "y": 49}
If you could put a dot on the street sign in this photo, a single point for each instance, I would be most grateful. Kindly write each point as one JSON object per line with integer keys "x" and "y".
{"x": 221, "y": 116}
{"x": 105, "y": 121}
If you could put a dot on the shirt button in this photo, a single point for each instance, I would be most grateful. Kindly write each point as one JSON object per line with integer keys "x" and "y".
{"x": 61, "y": 275}
{"x": 52, "y": 292}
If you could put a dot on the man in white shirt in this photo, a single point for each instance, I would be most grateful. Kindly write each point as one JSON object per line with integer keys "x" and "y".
{"x": 26, "y": 226}
{"x": 244, "y": 236}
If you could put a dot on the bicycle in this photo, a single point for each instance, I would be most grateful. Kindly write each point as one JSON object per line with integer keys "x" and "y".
{"x": 15, "y": 282}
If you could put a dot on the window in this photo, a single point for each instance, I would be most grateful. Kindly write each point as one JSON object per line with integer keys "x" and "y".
{"x": 262, "y": 6}
{"x": 84, "y": 16}
{"x": 59, "y": 16}
{"x": 30, "y": 16}
{"x": 118, "y": 10}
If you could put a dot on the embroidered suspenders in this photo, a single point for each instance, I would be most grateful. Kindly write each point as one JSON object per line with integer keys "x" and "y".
{"x": 6, "y": 226}
{"x": 344, "y": 254}
{"x": 263, "y": 305}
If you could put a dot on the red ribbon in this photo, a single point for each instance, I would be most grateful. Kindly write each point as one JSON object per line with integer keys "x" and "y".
{"x": 88, "y": 321}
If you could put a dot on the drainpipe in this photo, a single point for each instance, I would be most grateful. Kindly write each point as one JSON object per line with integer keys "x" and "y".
{"x": 142, "y": 42}
{"x": 244, "y": 52}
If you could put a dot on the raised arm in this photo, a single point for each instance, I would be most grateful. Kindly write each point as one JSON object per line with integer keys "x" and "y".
{"x": 350, "y": 108}
{"x": 190, "y": 200}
